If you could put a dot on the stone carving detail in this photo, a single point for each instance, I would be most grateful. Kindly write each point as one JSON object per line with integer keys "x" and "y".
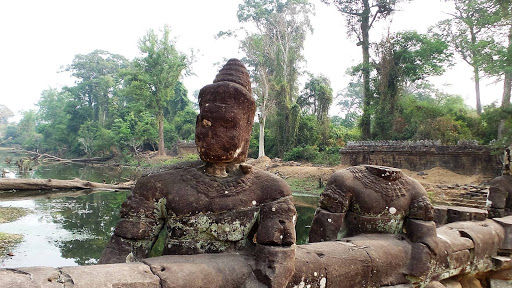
{"x": 500, "y": 191}
{"x": 381, "y": 183}
{"x": 218, "y": 204}
{"x": 371, "y": 199}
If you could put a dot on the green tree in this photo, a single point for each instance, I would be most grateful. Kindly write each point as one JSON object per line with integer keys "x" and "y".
{"x": 316, "y": 98}
{"x": 406, "y": 57}
{"x": 468, "y": 36}
{"x": 54, "y": 121}
{"x": 97, "y": 79}
{"x": 26, "y": 131}
{"x": 282, "y": 26}
{"x": 360, "y": 16}
{"x": 5, "y": 114}
{"x": 160, "y": 69}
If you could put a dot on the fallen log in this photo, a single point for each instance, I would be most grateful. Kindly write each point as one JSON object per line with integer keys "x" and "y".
{"x": 7, "y": 184}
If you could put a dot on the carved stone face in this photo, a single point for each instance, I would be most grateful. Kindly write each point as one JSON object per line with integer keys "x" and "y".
{"x": 226, "y": 115}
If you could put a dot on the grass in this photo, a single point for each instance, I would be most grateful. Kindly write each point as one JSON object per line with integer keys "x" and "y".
{"x": 307, "y": 185}
{"x": 9, "y": 214}
{"x": 8, "y": 241}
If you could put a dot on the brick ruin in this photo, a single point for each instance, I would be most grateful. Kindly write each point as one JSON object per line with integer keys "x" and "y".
{"x": 466, "y": 158}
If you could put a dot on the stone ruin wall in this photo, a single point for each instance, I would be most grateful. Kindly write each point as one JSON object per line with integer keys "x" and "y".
{"x": 182, "y": 148}
{"x": 465, "y": 158}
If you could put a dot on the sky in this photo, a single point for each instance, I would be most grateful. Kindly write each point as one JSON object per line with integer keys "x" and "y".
{"x": 38, "y": 38}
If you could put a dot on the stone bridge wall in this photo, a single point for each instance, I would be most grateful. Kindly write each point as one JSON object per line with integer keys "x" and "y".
{"x": 181, "y": 148}
{"x": 465, "y": 158}
{"x": 462, "y": 252}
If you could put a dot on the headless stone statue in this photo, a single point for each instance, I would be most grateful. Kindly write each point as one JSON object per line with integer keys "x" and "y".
{"x": 218, "y": 204}
{"x": 371, "y": 199}
{"x": 500, "y": 190}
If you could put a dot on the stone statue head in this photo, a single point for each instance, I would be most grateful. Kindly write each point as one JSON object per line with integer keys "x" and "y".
{"x": 226, "y": 116}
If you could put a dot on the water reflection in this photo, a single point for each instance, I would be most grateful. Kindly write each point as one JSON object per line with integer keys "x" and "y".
{"x": 74, "y": 230}
{"x": 66, "y": 171}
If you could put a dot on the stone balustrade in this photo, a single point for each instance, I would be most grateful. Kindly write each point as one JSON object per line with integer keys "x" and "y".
{"x": 462, "y": 252}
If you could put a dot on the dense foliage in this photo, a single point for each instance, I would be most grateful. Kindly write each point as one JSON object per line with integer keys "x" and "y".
{"x": 121, "y": 107}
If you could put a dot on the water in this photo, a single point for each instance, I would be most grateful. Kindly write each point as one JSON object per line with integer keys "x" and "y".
{"x": 72, "y": 227}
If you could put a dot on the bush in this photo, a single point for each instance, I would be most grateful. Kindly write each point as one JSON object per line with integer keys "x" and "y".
{"x": 308, "y": 153}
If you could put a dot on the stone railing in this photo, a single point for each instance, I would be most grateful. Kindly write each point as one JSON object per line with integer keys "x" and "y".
{"x": 462, "y": 252}
{"x": 467, "y": 157}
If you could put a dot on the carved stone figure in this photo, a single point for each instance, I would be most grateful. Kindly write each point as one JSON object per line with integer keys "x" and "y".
{"x": 218, "y": 204}
{"x": 372, "y": 199}
{"x": 500, "y": 190}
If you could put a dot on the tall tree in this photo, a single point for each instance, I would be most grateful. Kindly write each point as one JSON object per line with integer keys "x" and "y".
{"x": 97, "y": 77}
{"x": 466, "y": 33}
{"x": 5, "y": 114}
{"x": 283, "y": 26}
{"x": 254, "y": 47}
{"x": 360, "y": 16}
{"x": 160, "y": 67}
{"x": 405, "y": 57}
{"x": 316, "y": 98}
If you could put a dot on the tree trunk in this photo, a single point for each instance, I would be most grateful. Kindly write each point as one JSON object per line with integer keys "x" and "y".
{"x": 7, "y": 184}
{"x": 507, "y": 83}
{"x": 477, "y": 90}
{"x": 507, "y": 87}
{"x": 365, "y": 29}
{"x": 261, "y": 141}
{"x": 161, "y": 146}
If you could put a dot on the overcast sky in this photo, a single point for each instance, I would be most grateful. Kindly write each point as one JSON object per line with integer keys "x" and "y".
{"x": 39, "y": 37}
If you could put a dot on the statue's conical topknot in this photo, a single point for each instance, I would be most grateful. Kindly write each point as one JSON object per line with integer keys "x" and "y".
{"x": 234, "y": 71}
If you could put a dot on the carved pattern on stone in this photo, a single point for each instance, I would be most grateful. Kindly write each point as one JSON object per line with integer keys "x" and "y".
{"x": 388, "y": 189}
{"x": 215, "y": 187}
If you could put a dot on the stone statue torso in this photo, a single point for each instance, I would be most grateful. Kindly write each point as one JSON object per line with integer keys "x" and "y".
{"x": 206, "y": 214}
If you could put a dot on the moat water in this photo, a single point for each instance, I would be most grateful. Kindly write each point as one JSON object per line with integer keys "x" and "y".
{"x": 72, "y": 227}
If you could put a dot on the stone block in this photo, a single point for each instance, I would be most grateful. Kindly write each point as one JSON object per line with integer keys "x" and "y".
{"x": 202, "y": 270}
{"x": 336, "y": 264}
{"x": 41, "y": 277}
{"x": 502, "y": 275}
{"x": 419, "y": 230}
{"x": 487, "y": 237}
{"x": 440, "y": 215}
{"x": 112, "y": 275}
{"x": 309, "y": 268}
{"x": 506, "y": 223}
{"x": 500, "y": 283}
{"x": 459, "y": 213}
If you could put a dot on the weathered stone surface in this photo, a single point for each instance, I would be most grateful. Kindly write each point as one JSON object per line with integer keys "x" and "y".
{"x": 387, "y": 268}
{"x": 368, "y": 199}
{"x": 309, "y": 268}
{"x": 435, "y": 284}
{"x": 440, "y": 215}
{"x": 226, "y": 115}
{"x": 495, "y": 283}
{"x": 325, "y": 226}
{"x": 420, "y": 230}
{"x": 112, "y": 275}
{"x": 451, "y": 283}
{"x": 31, "y": 277}
{"x": 205, "y": 270}
{"x": 420, "y": 261}
{"x": 274, "y": 266}
{"x": 506, "y": 223}
{"x": 502, "y": 275}
{"x": 470, "y": 281}
{"x": 419, "y": 156}
{"x": 459, "y": 213}
{"x": 487, "y": 237}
